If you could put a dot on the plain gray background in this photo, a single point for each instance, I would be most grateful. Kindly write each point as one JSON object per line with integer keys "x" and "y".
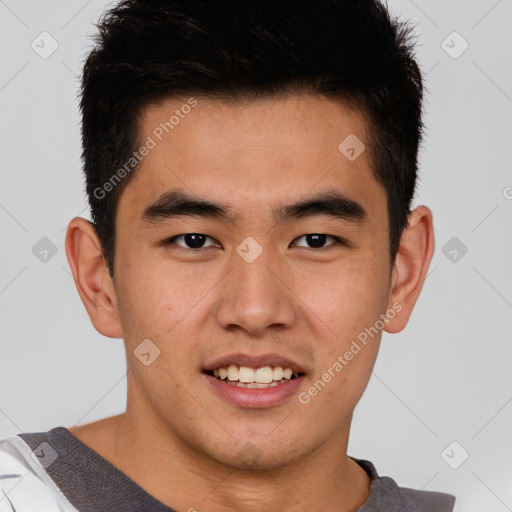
{"x": 446, "y": 379}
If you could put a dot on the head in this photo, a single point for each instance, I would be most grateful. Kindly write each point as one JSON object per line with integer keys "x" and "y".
{"x": 290, "y": 139}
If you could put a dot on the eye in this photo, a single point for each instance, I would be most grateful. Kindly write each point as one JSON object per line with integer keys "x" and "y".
{"x": 195, "y": 241}
{"x": 317, "y": 240}
{"x": 191, "y": 241}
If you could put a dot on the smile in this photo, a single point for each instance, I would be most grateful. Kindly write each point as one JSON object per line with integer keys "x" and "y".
{"x": 247, "y": 377}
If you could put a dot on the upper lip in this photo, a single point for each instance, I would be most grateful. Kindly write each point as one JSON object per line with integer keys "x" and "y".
{"x": 254, "y": 361}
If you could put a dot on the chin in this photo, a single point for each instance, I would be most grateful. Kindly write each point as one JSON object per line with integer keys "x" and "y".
{"x": 260, "y": 456}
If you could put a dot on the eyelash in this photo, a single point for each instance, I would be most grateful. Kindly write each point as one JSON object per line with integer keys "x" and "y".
{"x": 337, "y": 241}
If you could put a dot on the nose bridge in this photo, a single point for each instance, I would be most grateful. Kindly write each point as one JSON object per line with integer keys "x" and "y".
{"x": 254, "y": 297}
{"x": 255, "y": 274}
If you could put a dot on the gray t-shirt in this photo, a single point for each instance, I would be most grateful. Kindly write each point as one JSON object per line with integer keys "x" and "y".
{"x": 92, "y": 484}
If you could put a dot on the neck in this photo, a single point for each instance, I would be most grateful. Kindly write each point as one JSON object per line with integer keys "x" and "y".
{"x": 180, "y": 477}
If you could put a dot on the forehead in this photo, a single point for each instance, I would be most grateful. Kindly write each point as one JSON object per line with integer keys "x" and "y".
{"x": 251, "y": 153}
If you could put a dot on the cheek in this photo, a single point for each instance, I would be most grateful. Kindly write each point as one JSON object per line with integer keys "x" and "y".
{"x": 347, "y": 298}
{"x": 151, "y": 305}
{"x": 157, "y": 305}
{"x": 160, "y": 300}
{"x": 349, "y": 301}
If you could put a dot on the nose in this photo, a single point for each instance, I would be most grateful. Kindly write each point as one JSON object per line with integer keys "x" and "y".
{"x": 256, "y": 296}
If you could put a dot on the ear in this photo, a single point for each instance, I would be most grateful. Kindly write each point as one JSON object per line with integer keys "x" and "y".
{"x": 411, "y": 266}
{"x": 92, "y": 280}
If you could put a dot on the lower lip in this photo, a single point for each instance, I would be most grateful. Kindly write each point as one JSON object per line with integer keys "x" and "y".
{"x": 254, "y": 398}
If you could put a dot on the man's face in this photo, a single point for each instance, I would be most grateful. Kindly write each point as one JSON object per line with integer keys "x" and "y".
{"x": 255, "y": 290}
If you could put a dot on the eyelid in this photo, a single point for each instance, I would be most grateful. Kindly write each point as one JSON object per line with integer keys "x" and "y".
{"x": 172, "y": 239}
{"x": 337, "y": 241}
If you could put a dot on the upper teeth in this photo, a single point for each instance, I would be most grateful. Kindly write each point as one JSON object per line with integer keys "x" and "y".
{"x": 262, "y": 375}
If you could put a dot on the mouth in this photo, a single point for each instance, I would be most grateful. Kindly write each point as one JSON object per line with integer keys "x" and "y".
{"x": 254, "y": 381}
{"x": 247, "y": 377}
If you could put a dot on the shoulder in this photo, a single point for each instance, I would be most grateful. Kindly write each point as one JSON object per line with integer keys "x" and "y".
{"x": 387, "y": 496}
{"x": 24, "y": 483}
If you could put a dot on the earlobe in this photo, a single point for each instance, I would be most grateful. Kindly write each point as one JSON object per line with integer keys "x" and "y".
{"x": 411, "y": 266}
{"x": 90, "y": 273}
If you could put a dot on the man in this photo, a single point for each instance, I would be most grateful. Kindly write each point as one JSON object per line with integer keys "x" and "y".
{"x": 250, "y": 168}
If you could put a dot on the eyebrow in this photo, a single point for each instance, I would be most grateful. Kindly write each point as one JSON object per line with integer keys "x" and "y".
{"x": 178, "y": 203}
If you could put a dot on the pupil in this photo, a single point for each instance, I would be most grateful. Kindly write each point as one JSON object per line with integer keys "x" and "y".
{"x": 316, "y": 240}
{"x": 194, "y": 240}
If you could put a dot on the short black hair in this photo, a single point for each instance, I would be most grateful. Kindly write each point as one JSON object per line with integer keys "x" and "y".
{"x": 149, "y": 50}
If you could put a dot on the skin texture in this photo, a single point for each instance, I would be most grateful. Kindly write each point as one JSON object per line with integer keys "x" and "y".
{"x": 191, "y": 447}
